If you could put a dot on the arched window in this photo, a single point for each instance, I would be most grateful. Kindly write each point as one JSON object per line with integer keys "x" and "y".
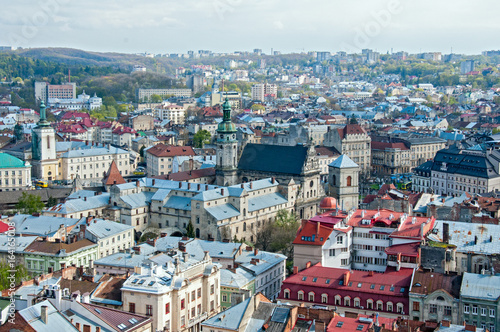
{"x": 300, "y": 295}
{"x": 356, "y": 302}
{"x": 324, "y": 298}
{"x": 197, "y": 219}
{"x": 197, "y": 233}
{"x": 369, "y": 304}
{"x": 244, "y": 227}
{"x": 286, "y": 293}
{"x": 334, "y": 180}
{"x": 380, "y": 305}
{"x": 349, "y": 180}
{"x": 244, "y": 212}
{"x": 311, "y": 296}
{"x": 337, "y": 299}
{"x": 347, "y": 301}
{"x": 440, "y": 298}
{"x": 389, "y": 306}
{"x": 400, "y": 307}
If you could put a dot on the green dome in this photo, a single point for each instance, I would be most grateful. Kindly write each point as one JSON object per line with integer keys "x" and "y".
{"x": 8, "y": 161}
{"x": 226, "y": 127}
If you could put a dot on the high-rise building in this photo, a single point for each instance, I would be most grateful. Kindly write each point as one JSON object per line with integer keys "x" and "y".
{"x": 45, "y": 91}
{"x": 466, "y": 67}
{"x": 260, "y": 91}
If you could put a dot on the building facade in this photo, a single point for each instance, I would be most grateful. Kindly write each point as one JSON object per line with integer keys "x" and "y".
{"x": 14, "y": 173}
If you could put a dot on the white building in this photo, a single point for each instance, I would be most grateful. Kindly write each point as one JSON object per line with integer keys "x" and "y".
{"x": 260, "y": 91}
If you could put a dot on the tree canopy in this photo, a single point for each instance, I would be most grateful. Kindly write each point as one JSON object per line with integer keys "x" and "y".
{"x": 29, "y": 204}
{"x": 201, "y": 138}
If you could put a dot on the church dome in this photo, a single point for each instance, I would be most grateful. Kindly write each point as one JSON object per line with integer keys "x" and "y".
{"x": 328, "y": 203}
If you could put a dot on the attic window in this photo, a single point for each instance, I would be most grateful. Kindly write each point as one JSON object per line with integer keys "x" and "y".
{"x": 402, "y": 290}
{"x": 315, "y": 279}
{"x": 122, "y": 326}
{"x": 151, "y": 283}
{"x": 382, "y": 287}
{"x": 391, "y": 289}
{"x": 372, "y": 286}
{"x": 339, "y": 324}
{"x": 359, "y": 285}
{"x": 341, "y": 282}
{"x": 304, "y": 278}
{"x": 327, "y": 281}
{"x": 359, "y": 328}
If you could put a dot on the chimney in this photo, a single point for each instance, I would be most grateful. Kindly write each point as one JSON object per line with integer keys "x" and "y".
{"x": 199, "y": 186}
{"x": 255, "y": 252}
{"x": 273, "y": 180}
{"x": 44, "y": 315}
{"x": 370, "y": 273}
{"x": 295, "y": 269}
{"x": 88, "y": 220}
{"x": 318, "y": 224}
{"x": 442, "y": 200}
{"x": 251, "y": 185}
{"x": 85, "y": 199}
{"x": 78, "y": 326}
{"x": 446, "y": 232}
{"x": 347, "y": 275}
{"x": 180, "y": 185}
{"x": 137, "y": 183}
{"x": 138, "y": 269}
{"x": 163, "y": 234}
{"x": 222, "y": 191}
{"x": 154, "y": 180}
{"x": 189, "y": 185}
{"x": 445, "y": 323}
{"x": 242, "y": 186}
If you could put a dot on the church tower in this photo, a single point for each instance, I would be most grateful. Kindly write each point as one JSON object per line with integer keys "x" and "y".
{"x": 343, "y": 182}
{"x": 226, "y": 171}
{"x": 43, "y": 147}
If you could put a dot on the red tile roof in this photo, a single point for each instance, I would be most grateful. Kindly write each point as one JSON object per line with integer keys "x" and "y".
{"x": 386, "y": 145}
{"x": 407, "y": 249}
{"x": 313, "y": 233}
{"x": 116, "y": 317}
{"x": 113, "y": 176}
{"x": 3, "y": 227}
{"x": 339, "y": 323}
{"x": 162, "y": 150}
{"x": 351, "y": 129}
{"x": 75, "y": 115}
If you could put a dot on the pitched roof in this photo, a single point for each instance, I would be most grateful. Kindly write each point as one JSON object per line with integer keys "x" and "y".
{"x": 312, "y": 233}
{"x": 343, "y": 162}
{"x": 427, "y": 282}
{"x": 273, "y": 158}
{"x": 113, "y": 176}
{"x": 117, "y": 317}
{"x": 188, "y": 175}
{"x": 54, "y": 248}
{"x": 386, "y": 145}
{"x": 162, "y": 150}
{"x": 8, "y": 161}
{"x": 351, "y": 129}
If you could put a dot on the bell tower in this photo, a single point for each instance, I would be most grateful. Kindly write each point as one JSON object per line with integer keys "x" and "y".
{"x": 43, "y": 147}
{"x": 226, "y": 171}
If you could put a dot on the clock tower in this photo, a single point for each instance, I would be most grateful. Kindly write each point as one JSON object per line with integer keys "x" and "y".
{"x": 226, "y": 170}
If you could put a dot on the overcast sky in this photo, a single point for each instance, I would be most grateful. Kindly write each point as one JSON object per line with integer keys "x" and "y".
{"x": 176, "y": 26}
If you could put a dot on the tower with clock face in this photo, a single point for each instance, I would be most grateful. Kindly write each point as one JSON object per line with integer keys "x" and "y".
{"x": 226, "y": 169}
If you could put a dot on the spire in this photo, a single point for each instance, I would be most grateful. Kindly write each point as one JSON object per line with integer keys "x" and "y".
{"x": 113, "y": 176}
{"x": 226, "y": 110}
{"x": 43, "y": 118}
{"x": 226, "y": 126}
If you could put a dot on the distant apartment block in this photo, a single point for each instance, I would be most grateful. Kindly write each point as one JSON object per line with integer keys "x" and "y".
{"x": 145, "y": 94}
{"x": 45, "y": 91}
{"x": 466, "y": 67}
{"x": 260, "y": 91}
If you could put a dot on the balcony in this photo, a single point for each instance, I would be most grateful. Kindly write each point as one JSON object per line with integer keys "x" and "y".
{"x": 198, "y": 319}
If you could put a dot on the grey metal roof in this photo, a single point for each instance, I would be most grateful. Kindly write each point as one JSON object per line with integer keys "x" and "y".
{"x": 81, "y": 204}
{"x": 101, "y": 228}
{"x": 266, "y": 261}
{"x": 480, "y": 286}
{"x": 42, "y": 225}
{"x": 223, "y": 211}
{"x": 92, "y": 152}
{"x": 343, "y": 162}
{"x": 265, "y": 201}
{"x": 179, "y": 203}
{"x": 235, "y": 280}
{"x": 55, "y": 322}
{"x": 273, "y": 158}
{"x": 229, "y": 319}
{"x": 138, "y": 200}
{"x": 21, "y": 242}
{"x": 464, "y": 235}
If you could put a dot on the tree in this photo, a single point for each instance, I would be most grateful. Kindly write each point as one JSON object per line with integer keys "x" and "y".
{"x": 21, "y": 274}
{"x": 353, "y": 120}
{"x": 29, "y": 204}
{"x": 201, "y": 138}
{"x": 51, "y": 201}
{"x": 156, "y": 98}
{"x": 141, "y": 151}
{"x": 190, "y": 230}
{"x": 258, "y": 107}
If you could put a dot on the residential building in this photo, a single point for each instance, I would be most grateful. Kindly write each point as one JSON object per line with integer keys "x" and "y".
{"x": 160, "y": 157}
{"x": 421, "y": 179}
{"x": 435, "y": 297}
{"x": 92, "y": 206}
{"x": 45, "y": 91}
{"x": 144, "y": 95}
{"x": 354, "y": 291}
{"x": 390, "y": 158}
{"x": 262, "y": 90}
{"x": 43, "y": 256}
{"x": 141, "y": 122}
{"x": 353, "y": 141}
{"x": 15, "y": 174}
{"x": 467, "y": 66}
{"x": 479, "y": 300}
{"x": 174, "y": 113}
{"x": 178, "y": 295}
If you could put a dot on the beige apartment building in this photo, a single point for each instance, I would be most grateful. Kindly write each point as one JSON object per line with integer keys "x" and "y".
{"x": 175, "y": 113}
{"x": 159, "y": 158}
{"x": 353, "y": 141}
{"x": 178, "y": 295}
{"x": 260, "y": 91}
{"x": 14, "y": 173}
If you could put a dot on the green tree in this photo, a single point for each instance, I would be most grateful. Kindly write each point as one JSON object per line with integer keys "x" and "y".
{"x": 141, "y": 151}
{"x": 201, "y": 138}
{"x": 51, "y": 201}
{"x": 156, "y": 98}
{"x": 29, "y": 204}
{"x": 190, "y": 230}
{"x": 258, "y": 107}
{"x": 21, "y": 274}
{"x": 353, "y": 120}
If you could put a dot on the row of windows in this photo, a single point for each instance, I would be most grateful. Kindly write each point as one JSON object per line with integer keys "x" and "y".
{"x": 6, "y": 173}
{"x": 370, "y": 304}
{"x": 13, "y": 182}
{"x": 476, "y": 309}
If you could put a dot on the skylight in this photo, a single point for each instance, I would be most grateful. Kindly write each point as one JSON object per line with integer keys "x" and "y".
{"x": 151, "y": 283}
{"x": 382, "y": 287}
{"x": 391, "y": 289}
{"x": 315, "y": 279}
{"x": 359, "y": 285}
{"x": 142, "y": 281}
{"x": 359, "y": 328}
{"x": 135, "y": 281}
{"x": 132, "y": 320}
{"x": 304, "y": 278}
{"x": 339, "y": 324}
{"x": 97, "y": 310}
{"x": 372, "y": 286}
{"x": 122, "y": 326}
{"x": 327, "y": 281}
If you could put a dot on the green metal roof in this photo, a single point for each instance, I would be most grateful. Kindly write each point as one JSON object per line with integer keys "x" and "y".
{"x": 8, "y": 161}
